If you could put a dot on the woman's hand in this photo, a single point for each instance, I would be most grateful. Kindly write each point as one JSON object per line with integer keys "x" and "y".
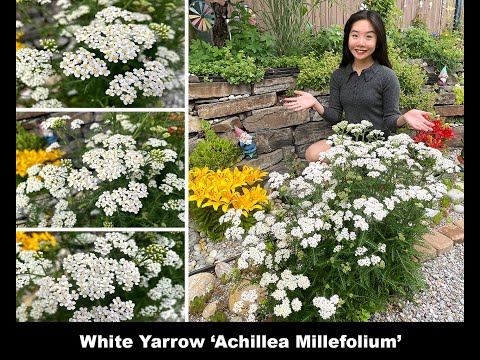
{"x": 417, "y": 119}
{"x": 304, "y": 100}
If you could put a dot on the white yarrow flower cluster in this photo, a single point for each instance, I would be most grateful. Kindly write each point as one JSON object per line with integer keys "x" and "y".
{"x": 118, "y": 42}
{"x": 117, "y": 311}
{"x": 82, "y": 179}
{"x": 150, "y": 80}
{"x": 50, "y": 103}
{"x": 76, "y": 124}
{"x": 277, "y": 180}
{"x": 40, "y": 93}
{"x": 55, "y": 122}
{"x": 112, "y": 13}
{"x": 154, "y": 142}
{"x": 33, "y": 66}
{"x": 52, "y": 146}
{"x": 165, "y": 56}
{"x": 83, "y": 64}
{"x": 127, "y": 199}
{"x": 326, "y": 307}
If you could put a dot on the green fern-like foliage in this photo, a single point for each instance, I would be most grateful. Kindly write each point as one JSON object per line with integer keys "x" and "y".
{"x": 214, "y": 152}
{"x": 26, "y": 140}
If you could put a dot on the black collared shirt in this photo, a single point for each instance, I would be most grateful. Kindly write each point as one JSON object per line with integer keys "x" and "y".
{"x": 374, "y": 95}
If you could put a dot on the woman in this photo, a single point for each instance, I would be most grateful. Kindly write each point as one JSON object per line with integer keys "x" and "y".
{"x": 364, "y": 86}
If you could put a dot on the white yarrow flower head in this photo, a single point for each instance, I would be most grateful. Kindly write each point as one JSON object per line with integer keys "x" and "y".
{"x": 76, "y": 124}
{"x": 40, "y": 93}
{"x": 151, "y": 80}
{"x": 55, "y": 122}
{"x": 33, "y": 66}
{"x": 49, "y": 103}
{"x": 326, "y": 307}
{"x": 83, "y": 64}
{"x": 166, "y": 56}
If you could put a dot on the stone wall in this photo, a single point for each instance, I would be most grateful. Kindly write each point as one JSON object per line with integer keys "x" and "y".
{"x": 31, "y": 120}
{"x": 280, "y": 134}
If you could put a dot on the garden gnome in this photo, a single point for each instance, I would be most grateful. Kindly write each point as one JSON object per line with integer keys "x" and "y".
{"x": 48, "y": 135}
{"x": 442, "y": 78}
{"x": 245, "y": 141}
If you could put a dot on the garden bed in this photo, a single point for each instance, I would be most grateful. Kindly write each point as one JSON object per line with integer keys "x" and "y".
{"x": 302, "y": 222}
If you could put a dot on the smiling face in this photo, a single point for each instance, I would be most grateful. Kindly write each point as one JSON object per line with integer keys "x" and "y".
{"x": 362, "y": 41}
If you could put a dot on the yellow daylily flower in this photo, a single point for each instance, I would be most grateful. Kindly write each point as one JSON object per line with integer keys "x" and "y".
{"x": 32, "y": 241}
{"x": 27, "y": 158}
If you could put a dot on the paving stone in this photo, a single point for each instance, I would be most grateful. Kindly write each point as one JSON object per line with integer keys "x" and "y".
{"x": 453, "y": 232}
{"x": 439, "y": 241}
{"x": 459, "y": 223}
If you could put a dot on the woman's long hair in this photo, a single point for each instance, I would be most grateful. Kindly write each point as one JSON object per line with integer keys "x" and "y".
{"x": 381, "y": 52}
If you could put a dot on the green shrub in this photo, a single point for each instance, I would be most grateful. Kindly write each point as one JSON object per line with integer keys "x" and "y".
{"x": 246, "y": 37}
{"x": 26, "y": 140}
{"x": 416, "y": 41}
{"x": 459, "y": 94}
{"x": 328, "y": 39}
{"x": 411, "y": 78}
{"x": 388, "y": 12}
{"x": 213, "y": 152}
{"x": 242, "y": 69}
{"x": 447, "y": 50}
{"x": 315, "y": 72}
{"x": 234, "y": 67}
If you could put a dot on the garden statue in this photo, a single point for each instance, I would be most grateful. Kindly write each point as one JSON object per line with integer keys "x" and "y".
{"x": 245, "y": 141}
{"x": 49, "y": 136}
{"x": 442, "y": 78}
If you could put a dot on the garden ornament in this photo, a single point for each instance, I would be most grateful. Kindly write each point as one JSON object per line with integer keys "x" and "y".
{"x": 245, "y": 141}
{"x": 49, "y": 136}
{"x": 443, "y": 77}
{"x": 201, "y": 16}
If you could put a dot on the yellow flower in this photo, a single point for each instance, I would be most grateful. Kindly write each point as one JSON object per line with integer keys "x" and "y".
{"x": 252, "y": 176}
{"x": 227, "y": 189}
{"x": 32, "y": 241}
{"x": 250, "y": 199}
{"x": 19, "y": 44}
{"x": 27, "y": 158}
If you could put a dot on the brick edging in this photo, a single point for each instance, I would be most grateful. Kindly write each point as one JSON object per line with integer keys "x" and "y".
{"x": 442, "y": 240}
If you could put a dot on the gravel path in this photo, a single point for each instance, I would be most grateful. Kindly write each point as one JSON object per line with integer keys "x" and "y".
{"x": 442, "y": 301}
{"x": 444, "y": 298}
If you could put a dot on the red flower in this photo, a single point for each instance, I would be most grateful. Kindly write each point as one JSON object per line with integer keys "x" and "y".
{"x": 437, "y": 137}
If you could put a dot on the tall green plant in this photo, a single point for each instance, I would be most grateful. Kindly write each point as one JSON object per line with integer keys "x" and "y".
{"x": 284, "y": 21}
{"x": 388, "y": 11}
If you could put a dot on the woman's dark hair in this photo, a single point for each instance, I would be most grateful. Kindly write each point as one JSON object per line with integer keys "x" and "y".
{"x": 381, "y": 51}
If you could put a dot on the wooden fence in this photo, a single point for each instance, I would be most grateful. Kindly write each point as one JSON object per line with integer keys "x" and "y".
{"x": 438, "y": 14}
